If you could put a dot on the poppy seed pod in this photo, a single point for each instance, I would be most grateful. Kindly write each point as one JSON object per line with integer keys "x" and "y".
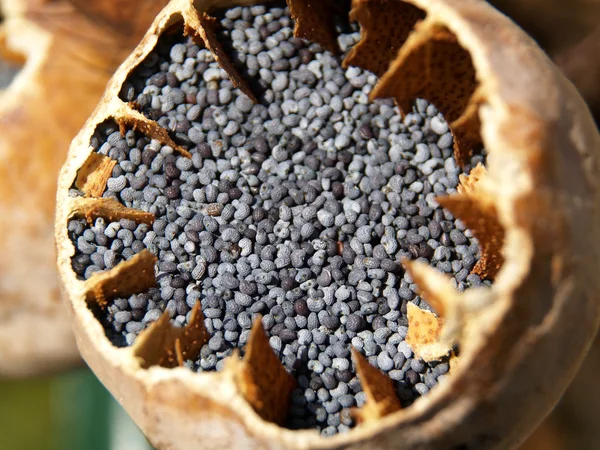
{"x": 244, "y": 223}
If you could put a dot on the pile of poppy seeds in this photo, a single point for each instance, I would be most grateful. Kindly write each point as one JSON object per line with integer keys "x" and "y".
{"x": 298, "y": 208}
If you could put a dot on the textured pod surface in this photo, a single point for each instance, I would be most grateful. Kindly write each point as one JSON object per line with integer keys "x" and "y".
{"x": 68, "y": 55}
{"x": 520, "y": 341}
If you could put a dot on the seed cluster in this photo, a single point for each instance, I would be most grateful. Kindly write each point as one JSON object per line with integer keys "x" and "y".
{"x": 297, "y": 209}
{"x": 103, "y": 246}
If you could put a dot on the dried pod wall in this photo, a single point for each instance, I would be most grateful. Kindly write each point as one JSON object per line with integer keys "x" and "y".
{"x": 246, "y": 220}
{"x": 67, "y": 56}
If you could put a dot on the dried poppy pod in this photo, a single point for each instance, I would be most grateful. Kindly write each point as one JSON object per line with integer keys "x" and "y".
{"x": 67, "y": 56}
{"x": 521, "y": 341}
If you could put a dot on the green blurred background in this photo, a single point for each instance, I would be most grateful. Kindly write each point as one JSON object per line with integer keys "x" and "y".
{"x": 68, "y": 412}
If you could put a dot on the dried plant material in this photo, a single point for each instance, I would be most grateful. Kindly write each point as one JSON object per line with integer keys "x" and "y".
{"x": 469, "y": 183}
{"x": 313, "y": 20}
{"x": 261, "y": 378}
{"x": 378, "y": 388}
{"x": 430, "y": 65}
{"x": 445, "y": 300}
{"x": 434, "y": 287}
{"x": 424, "y": 330}
{"x": 203, "y": 29}
{"x": 109, "y": 209}
{"x": 455, "y": 310}
{"x": 478, "y": 211}
{"x": 385, "y": 26}
{"x": 434, "y": 66}
{"x": 8, "y": 55}
{"x": 465, "y": 131}
{"x": 166, "y": 345}
{"x": 68, "y": 60}
{"x": 93, "y": 175}
{"x": 453, "y": 362}
{"x": 126, "y": 278}
{"x": 503, "y": 345}
{"x": 129, "y": 118}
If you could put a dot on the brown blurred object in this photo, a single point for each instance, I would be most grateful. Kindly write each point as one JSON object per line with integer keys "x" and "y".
{"x": 581, "y": 63}
{"x": 68, "y": 50}
{"x": 570, "y": 32}
{"x": 575, "y": 422}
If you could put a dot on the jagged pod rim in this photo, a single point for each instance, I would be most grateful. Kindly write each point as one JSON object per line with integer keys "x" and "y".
{"x": 519, "y": 165}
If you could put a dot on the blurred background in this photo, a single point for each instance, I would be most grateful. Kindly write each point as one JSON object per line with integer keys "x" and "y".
{"x": 73, "y": 411}
{"x": 67, "y": 412}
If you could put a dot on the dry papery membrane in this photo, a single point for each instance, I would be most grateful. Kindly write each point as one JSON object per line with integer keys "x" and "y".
{"x": 265, "y": 193}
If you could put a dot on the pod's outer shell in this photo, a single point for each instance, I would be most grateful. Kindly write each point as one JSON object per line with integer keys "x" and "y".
{"x": 518, "y": 354}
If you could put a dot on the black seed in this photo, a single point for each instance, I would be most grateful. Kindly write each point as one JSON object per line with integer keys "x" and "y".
{"x": 287, "y": 336}
{"x": 355, "y": 323}
{"x": 235, "y": 193}
{"x": 425, "y": 251}
{"x": 366, "y": 132}
{"x": 259, "y": 214}
{"x": 337, "y": 189}
{"x": 301, "y": 308}
{"x": 412, "y": 377}
{"x": 172, "y": 192}
{"x": 171, "y": 171}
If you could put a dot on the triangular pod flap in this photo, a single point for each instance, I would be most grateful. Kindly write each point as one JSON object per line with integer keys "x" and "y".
{"x": 423, "y": 336}
{"x": 384, "y": 28}
{"x": 126, "y": 278}
{"x": 109, "y": 209}
{"x": 261, "y": 378}
{"x": 431, "y": 65}
{"x": 128, "y": 117}
{"x": 93, "y": 174}
{"x": 203, "y": 29}
{"x": 314, "y": 21}
{"x": 435, "y": 287}
{"x": 450, "y": 305}
{"x": 477, "y": 209}
{"x": 166, "y": 345}
{"x": 379, "y": 389}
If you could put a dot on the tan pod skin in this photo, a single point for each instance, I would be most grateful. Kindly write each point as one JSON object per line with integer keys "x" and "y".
{"x": 533, "y": 211}
{"x": 68, "y": 55}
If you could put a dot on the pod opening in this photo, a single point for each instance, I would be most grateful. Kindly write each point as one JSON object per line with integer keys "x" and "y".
{"x": 295, "y": 196}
